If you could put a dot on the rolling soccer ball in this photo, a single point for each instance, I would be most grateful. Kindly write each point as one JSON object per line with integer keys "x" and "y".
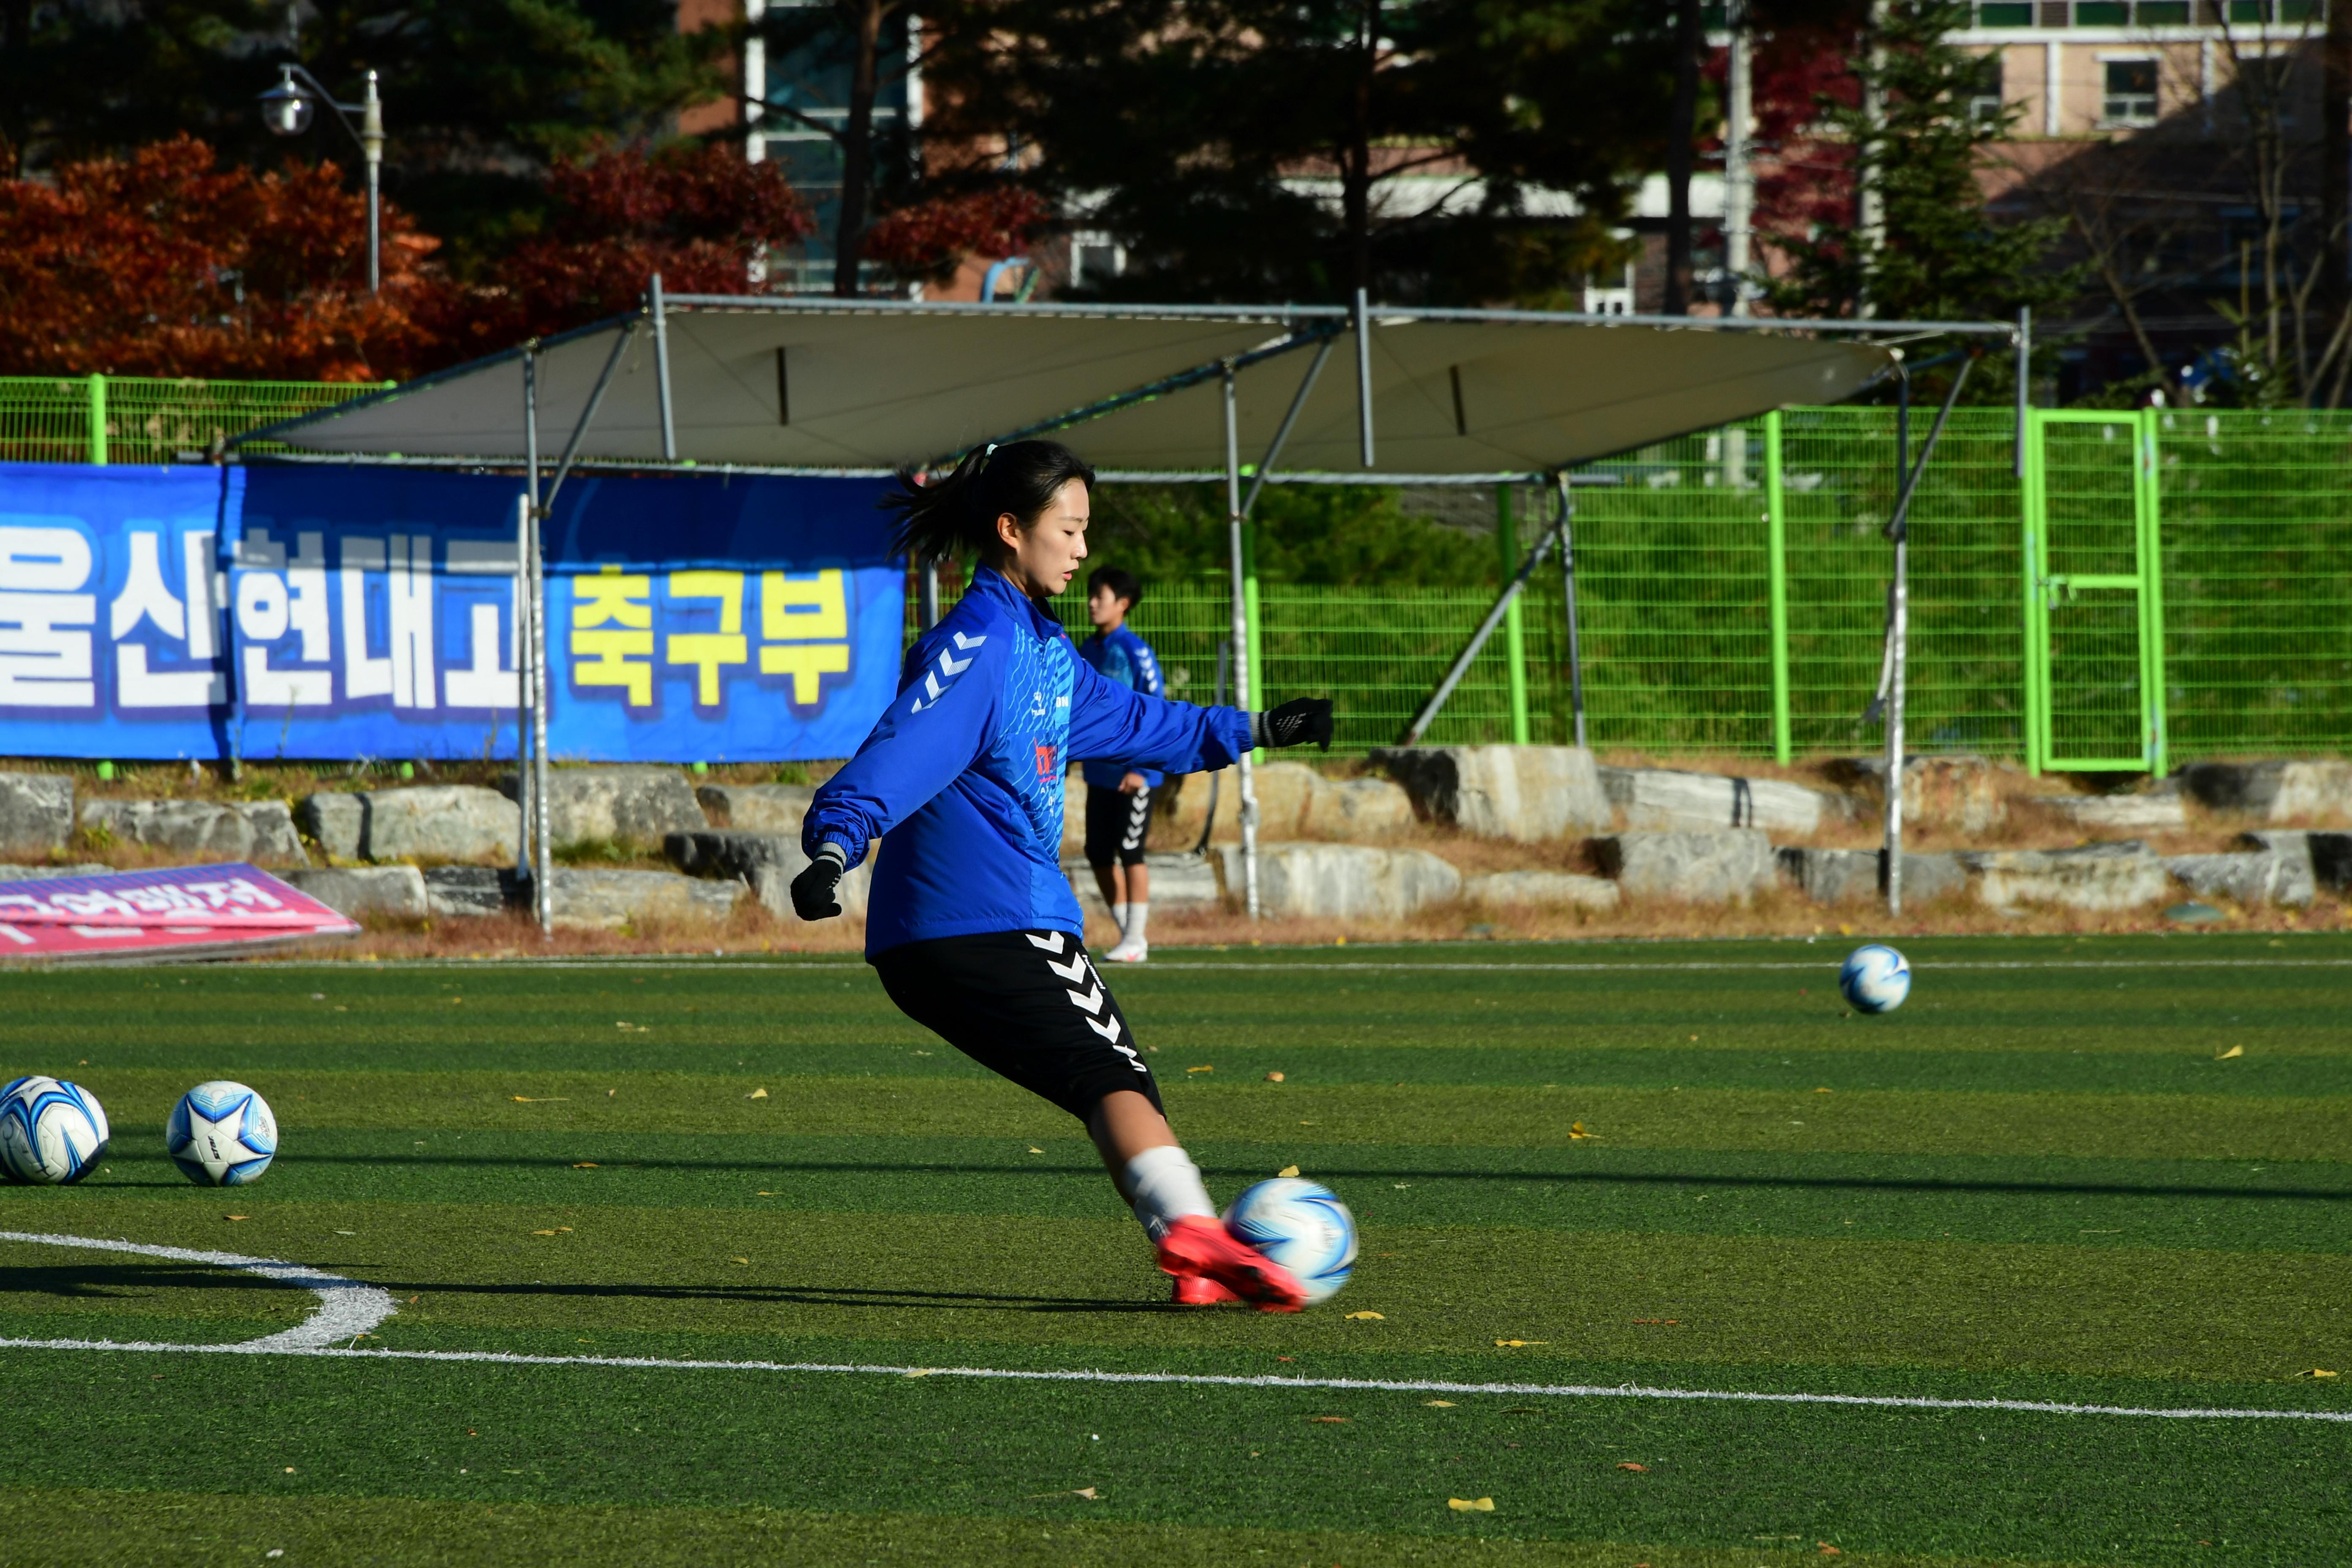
{"x": 1300, "y": 1226}
{"x": 1876, "y": 979}
{"x": 221, "y": 1134}
{"x": 50, "y": 1133}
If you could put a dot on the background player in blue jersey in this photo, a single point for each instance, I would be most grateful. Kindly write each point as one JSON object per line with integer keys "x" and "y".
{"x": 1118, "y": 797}
{"x": 970, "y": 923}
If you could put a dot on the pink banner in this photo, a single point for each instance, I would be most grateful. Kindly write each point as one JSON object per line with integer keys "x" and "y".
{"x": 181, "y": 911}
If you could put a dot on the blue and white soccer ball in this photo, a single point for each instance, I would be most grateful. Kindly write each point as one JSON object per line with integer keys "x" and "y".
{"x": 50, "y": 1133}
{"x": 1876, "y": 979}
{"x": 1301, "y": 1226}
{"x": 221, "y": 1134}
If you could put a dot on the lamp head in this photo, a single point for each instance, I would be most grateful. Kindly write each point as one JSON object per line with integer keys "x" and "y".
{"x": 288, "y": 108}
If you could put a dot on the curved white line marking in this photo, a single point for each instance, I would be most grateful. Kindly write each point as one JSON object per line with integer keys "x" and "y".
{"x": 347, "y": 1307}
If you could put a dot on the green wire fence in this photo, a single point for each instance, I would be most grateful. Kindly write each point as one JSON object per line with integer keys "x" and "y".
{"x": 146, "y": 419}
{"x": 1731, "y": 586}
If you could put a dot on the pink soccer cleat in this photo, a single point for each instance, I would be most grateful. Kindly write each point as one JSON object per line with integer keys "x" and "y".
{"x": 1195, "y": 1245}
{"x": 1200, "y": 1290}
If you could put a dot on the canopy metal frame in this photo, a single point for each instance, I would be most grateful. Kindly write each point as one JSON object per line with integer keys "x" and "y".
{"x": 1301, "y": 327}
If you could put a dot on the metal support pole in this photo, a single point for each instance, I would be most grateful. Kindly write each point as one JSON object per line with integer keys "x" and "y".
{"x": 1567, "y": 590}
{"x": 1738, "y": 179}
{"x": 926, "y": 606}
{"x": 1504, "y": 604}
{"x": 1897, "y": 629}
{"x": 1364, "y": 373}
{"x": 371, "y": 144}
{"x": 2025, "y": 378}
{"x": 661, "y": 369}
{"x": 524, "y": 704}
{"x": 1241, "y": 639}
{"x": 1282, "y": 433}
{"x": 543, "y": 900}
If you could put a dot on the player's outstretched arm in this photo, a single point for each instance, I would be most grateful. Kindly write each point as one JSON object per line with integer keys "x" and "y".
{"x": 1111, "y": 723}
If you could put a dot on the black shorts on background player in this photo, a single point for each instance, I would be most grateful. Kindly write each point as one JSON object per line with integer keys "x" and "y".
{"x": 1116, "y": 826}
{"x": 1027, "y": 1006}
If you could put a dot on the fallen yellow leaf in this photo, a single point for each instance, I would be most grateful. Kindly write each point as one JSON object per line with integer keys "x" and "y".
{"x": 2233, "y": 1051}
{"x": 1471, "y": 1505}
{"x": 918, "y": 1371}
{"x": 544, "y": 1099}
{"x": 583, "y": 1165}
{"x": 1439, "y": 1404}
{"x": 757, "y": 1094}
{"x": 1287, "y": 1170}
{"x": 249, "y": 1216}
{"x": 1821, "y": 1092}
{"x": 1366, "y": 1317}
{"x": 1630, "y": 1464}
{"x": 1329, "y": 1420}
{"x": 2315, "y": 1372}
{"x": 1035, "y": 1149}
{"x": 1576, "y": 1130}
{"x": 1200, "y": 1069}
{"x": 1844, "y": 929}
{"x": 1086, "y": 1492}
{"x": 542, "y": 1233}
{"x": 738, "y": 1260}
{"x": 1513, "y": 1344}
{"x": 1274, "y": 1077}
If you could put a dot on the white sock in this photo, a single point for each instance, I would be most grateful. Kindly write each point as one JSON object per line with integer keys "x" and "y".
{"x": 1131, "y": 928}
{"x": 1162, "y": 1185}
{"x": 1118, "y": 916}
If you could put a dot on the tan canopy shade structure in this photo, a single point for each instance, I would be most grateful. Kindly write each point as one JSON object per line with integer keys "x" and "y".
{"x": 867, "y": 386}
{"x": 859, "y": 386}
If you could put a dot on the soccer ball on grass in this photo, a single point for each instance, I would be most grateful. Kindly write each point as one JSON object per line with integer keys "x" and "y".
{"x": 221, "y": 1134}
{"x": 1876, "y": 979}
{"x": 50, "y": 1133}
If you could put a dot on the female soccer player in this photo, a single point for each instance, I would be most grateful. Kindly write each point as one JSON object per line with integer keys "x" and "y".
{"x": 970, "y": 923}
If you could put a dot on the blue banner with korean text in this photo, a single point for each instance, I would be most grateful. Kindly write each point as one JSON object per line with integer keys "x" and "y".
{"x": 338, "y": 612}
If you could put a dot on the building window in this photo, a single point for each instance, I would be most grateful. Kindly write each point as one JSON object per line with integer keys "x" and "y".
{"x": 1095, "y": 259}
{"x": 2161, "y": 13}
{"x": 2130, "y": 97}
{"x": 1985, "y": 104}
{"x": 2005, "y": 14}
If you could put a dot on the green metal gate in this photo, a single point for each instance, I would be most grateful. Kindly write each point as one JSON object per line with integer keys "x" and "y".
{"x": 2094, "y": 599}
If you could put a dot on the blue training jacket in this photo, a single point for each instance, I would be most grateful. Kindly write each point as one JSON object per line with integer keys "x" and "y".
{"x": 1122, "y": 657}
{"x": 963, "y": 773}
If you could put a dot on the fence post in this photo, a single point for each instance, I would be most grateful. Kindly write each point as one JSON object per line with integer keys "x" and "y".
{"x": 1515, "y": 640}
{"x": 2150, "y": 493}
{"x": 2030, "y": 518}
{"x": 97, "y": 418}
{"x": 1776, "y": 531}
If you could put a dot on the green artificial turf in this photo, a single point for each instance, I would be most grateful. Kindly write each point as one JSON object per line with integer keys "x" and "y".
{"x": 1677, "y": 1166}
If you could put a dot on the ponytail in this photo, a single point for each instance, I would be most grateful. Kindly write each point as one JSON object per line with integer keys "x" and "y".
{"x": 957, "y": 514}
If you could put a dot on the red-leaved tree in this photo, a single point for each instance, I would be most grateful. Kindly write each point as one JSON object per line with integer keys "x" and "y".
{"x": 928, "y": 240}
{"x": 699, "y": 215}
{"x": 167, "y": 264}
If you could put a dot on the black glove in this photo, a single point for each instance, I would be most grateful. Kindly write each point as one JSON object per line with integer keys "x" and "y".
{"x": 813, "y": 895}
{"x": 1296, "y": 722}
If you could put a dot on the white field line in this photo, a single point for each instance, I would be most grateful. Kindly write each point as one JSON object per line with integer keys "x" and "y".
{"x": 1284, "y": 966}
{"x": 1204, "y": 1379}
{"x": 347, "y": 1307}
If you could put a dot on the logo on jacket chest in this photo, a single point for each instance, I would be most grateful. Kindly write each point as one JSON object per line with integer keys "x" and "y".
{"x": 1049, "y": 760}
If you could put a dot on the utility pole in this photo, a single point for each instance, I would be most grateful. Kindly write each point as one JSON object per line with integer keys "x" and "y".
{"x": 1870, "y": 201}
{"x": 1682, "y": 133}
{"x": 1738, "y": 179}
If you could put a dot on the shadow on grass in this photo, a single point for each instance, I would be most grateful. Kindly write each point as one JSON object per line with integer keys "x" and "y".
{"x": 1337, "y": 1172}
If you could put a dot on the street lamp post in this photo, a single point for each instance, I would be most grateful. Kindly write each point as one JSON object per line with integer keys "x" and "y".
{"x": 288, "y": 108}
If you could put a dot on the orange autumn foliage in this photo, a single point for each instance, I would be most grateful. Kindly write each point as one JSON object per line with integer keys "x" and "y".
{"x": 167, "y": 264}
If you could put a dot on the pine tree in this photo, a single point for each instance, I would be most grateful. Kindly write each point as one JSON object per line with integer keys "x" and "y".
{"x": 1935, "y": 253}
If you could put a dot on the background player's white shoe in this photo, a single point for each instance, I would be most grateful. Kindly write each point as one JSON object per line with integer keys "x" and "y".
{"x": 1131, "y": 950}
